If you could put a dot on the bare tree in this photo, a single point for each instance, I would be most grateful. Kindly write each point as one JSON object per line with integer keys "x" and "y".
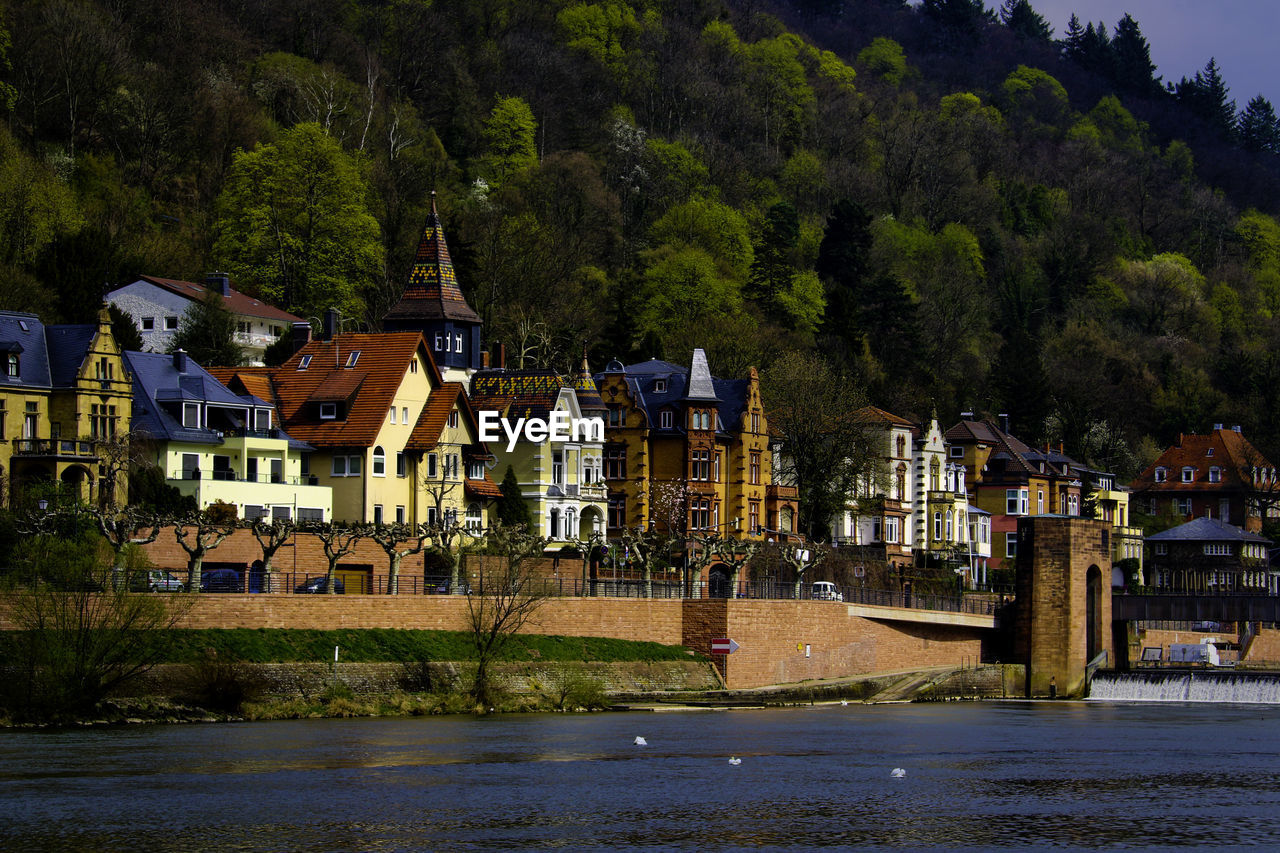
{"x": 338, "y": 540}
{"x": 398, "y": 541}
{"x": 801, "y": 558}
{"x": 272, "y": 535}
{"x": 80, "y": 635}
{"x": 735, "y": 554}
{"x": 198, "y": 533}
{"x": 508, "y": 595}
{"x": 118, "y": 454}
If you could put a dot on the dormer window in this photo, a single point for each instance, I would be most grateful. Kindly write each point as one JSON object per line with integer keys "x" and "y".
{"x": 1188, "y": 474}
{"x": 457, "y": 342}
{"x": 262, "y": 419}
{"x": 438, "y": 343}
{"x": 328, "y": 411}
{"x": 659, "y": 386}
{"x": 191, "y": 415}
{"x": 12, "y": 366}
{"x": 475, "y": 471}
{"x": 1161, "y": 474}
{"x": 1209, "y": 452}
{"x": 353, "y": 358}
{"x": 665, "y": 420}
{"x": 1215, "y": 474}
{"x": 304, "y": 362}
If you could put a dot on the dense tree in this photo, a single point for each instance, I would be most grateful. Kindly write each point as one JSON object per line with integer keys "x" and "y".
{"x": 1258, "y": 128}
{"x": 1021, "y": 18}
{"x": 293, "y": 225}
{"x": 207, "y": 333}
{"x": 1206, "y": 95}
{"x": 1131, "y": 55}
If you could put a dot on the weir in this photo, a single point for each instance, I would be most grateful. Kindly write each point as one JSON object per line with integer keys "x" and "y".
{"x": 1187, "y": 686}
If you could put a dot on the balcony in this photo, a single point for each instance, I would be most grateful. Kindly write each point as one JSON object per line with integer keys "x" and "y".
{"x": 55, "y": 448}
{"x": 224, "y": 476}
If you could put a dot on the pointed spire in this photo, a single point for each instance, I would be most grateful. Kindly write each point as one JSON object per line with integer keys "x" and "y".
{"x": 584, "y": 387}
{"x": 432, "y": 291}
{"x": 700, "y": 385}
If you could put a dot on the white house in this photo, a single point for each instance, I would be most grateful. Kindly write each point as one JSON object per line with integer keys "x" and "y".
{"x": 157, "y": 306}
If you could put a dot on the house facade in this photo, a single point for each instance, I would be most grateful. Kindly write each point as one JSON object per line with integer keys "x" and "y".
{"x": 65, "y": 398}
{"x": 219, "y": 446}
{"x": 683, "y": 448}
{"x": 561, "y": 481}
{"x": 157, "y": 305}
{"x": 1210, "y": 555}
{"x": 1219, "y": 475}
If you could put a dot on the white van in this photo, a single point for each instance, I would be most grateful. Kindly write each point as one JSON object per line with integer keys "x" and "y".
{"x": 826, "y": 591}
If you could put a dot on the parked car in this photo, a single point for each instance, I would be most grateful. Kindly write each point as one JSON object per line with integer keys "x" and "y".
{"x": 320, "y": 584}
{"x": 155, "y": 580}
{"x": 221, "y": 580}
{"x": 826, "y": 591}
{"x": 444, "y": 588}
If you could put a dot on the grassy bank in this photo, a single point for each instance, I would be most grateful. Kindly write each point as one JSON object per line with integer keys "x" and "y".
{"x": 379, "y": 645}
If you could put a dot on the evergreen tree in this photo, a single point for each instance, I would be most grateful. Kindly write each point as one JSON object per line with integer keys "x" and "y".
{"x": 842, "y": 265}
{"x": 771, "y": 268}
{"x": 1025, "y": 21}
{"x": 208, "y": 334}
{"x": 1206, "y": 95}
{"x": 1258, "y": 128}
{"x": 512, "y": 510}
{"x": 1133, "y": 68}
{"x": 959, "y": 22}
{"x": 1073, "y": 43}
{"x": 1095, "y": 50}
{"x": 124, "y": 328}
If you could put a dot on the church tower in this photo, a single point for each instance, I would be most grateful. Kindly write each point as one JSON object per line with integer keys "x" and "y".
{"x": 432, "y": 303}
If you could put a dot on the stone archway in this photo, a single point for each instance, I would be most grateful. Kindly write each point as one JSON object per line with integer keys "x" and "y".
{"x": 719, "y": 582}
{"x": 78, "y": 481}
{"x": 591, "y": 521}
{"x": 1093, "y": 627}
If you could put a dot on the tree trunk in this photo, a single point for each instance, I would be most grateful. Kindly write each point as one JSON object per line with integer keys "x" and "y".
{"x": 194, "y": 566}
{"x": 393, "y": 581}
{"x": 455, "y": 572}
{"x": 648, "y": 581}
{"x": 332, "y": 578}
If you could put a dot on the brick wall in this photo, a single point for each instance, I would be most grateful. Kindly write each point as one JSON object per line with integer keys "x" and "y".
{"x": 1265, "y": 648}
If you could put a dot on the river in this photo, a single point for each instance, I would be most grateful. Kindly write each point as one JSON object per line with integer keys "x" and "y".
{"x": 979, "y": 775}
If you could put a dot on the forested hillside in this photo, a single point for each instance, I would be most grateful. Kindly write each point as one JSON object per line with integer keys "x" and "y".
{"x": 950, "y": 207}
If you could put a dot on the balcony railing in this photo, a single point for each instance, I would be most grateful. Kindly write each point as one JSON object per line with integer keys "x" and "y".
{"x": 81, "y": 448}
{"x": 222, "y": 476}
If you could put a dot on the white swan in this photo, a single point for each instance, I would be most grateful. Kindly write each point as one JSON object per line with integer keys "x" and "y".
{"x": 844, "y": 701}
{"x": 898, "y": 773}
{"x": 639, "y": 741}
{"x": 735, "y": 761}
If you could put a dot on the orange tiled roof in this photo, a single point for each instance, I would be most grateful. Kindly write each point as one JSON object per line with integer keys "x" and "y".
{"x": 383, "y": 361}
{"x": 1225, "y": 449}
{"x": 236, "y": 302}
{"x": 485, "y": 488}
{"x": 426, "y": 432}
{"x": 871, "y": 413}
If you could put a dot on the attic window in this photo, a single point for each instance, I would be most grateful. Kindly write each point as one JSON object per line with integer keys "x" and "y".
{"x": 23, "y": 325}
{"x": 12, "y": 367}
{"x": 1215, "y": 474}
{"x": 328, "y": 411}
{"x": 1209, "y": 452}
{"x": 304, "y": 362}
{"x": 666, "y": 420}
{"x": 1160, "y": 475}
{"x": 353, "y": 358}
{"x": 659, "y": 386}
{"x": 1188, "y": 475}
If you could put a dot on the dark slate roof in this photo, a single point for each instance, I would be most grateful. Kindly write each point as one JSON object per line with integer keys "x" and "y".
{"x": 1206, "y": 530}
{"x": 29, "y": 343}
{"x": 155, "y": 378}
{"x": 729, "y": 395}
{"x": 67, "y": 348}
{"x": 432, "y": 291}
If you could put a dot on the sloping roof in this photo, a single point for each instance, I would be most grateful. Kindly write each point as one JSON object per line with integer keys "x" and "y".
{"x": 432, "y": 291}
{"x": 29, "y": 343}
{"x": 871, "y": 414}
{"x": 67, "y": 347}
{"x": 1206, "y": 530}
{"x": 485, "y": 488}
{"x": 584, "y": 386}
{"x": 383, "y": 361}
{"x": 1225, "y": 449}
{"x": 517, "y": 393}
{"x": 701, "y": 386}
{"x": 729, "y": 395}
{"x": 339, "y": 386}
{"x": 236, "y": 302}
{"x": 435, "y": 414}
{"x": 156, "y": 379}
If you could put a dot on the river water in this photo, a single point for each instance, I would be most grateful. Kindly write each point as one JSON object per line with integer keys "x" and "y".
{"x": 978, "y": 776}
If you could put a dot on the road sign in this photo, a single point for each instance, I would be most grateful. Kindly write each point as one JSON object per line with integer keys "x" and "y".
{"x": 724, "y": 647}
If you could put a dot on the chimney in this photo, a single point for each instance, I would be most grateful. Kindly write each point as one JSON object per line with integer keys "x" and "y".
{"x": 1217, "y": 427}
{"x": 301, "y": 335}
{"x": 968, "y": 416}
{"x": 484, "y": 360}
{"x": 219, "y": 283}
{"x": 1236, "y": 428}
{"x": 330, "y": 323}
{"x": 180, "y": 360}
{"x": 502, "y": 356}
{"x": 1004, "y": 421}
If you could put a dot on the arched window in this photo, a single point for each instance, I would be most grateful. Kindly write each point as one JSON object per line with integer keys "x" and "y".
{"x": 937, "y": 525}
{"x": 379, "y": 462}
{"x": 933, "y": 476}
{"x": 555, "y": 524}
{"x": 902, "y": 447}
{"x": 13, "y": 364}
{"x": 950, "y": 526}
{"x": 569, "y": 526}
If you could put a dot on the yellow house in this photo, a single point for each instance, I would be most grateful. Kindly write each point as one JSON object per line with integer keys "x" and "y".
{"x": 219, "y": 445}
{"x": 64, "y": 400}
{"x": 357, "y": 400}
{"x": 670, "y": 427}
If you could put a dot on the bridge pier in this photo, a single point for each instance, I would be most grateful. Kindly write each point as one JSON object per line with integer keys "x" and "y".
{"x": 1063, "y": 610}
